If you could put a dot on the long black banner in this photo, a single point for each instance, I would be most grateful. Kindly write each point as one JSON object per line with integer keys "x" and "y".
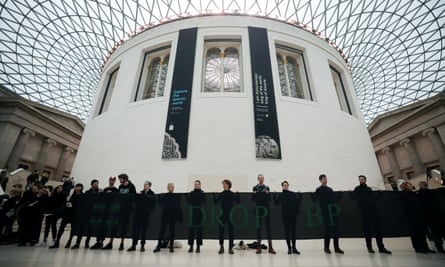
{"x": 177, "y": 126}
{"x": 107, "y": 211}
{"x": 267, "y": 137}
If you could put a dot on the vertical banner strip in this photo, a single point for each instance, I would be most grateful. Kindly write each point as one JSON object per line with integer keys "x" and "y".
{"x": 267, "y": 137}
{"x": 177, "y": 125}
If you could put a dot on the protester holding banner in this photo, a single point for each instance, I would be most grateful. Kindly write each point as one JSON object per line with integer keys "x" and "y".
{"x": 290, "y": 207}
{"x": 171, "y": 212}
{"x": 327, "y": 199}
{"x": 415, "y": 218}
{"x": 144, "y": 206}
{"x": 196, "y": 198}
{"x": 370, "y": 216}
{"x": 127, "y": 189}
{"x": 433, "y": 215}
{"x": 261, "y": 197}
{"x": 68, "y": 211}
{"x": 226, "y": 199}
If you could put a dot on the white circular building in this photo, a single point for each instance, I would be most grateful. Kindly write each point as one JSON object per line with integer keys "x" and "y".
{"x": 227, "y": 96}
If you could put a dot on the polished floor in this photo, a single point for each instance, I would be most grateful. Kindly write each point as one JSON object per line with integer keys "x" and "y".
{"x": 311, "y": 255}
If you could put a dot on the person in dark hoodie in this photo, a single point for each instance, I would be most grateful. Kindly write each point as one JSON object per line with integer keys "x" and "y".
{"x": 261, "y": 197}
{"x": 30, "y": 215}
{"x": 145, "y": 204}
{"x": 171, "y": 212}
{"x": 56, "y": 200}
{"x": 84, "y": 225}
{"x": 415, "y": 218}
{"x": 327, "y": 199}
{"x": 127, "y": 190}
{"x": 68, "y": 211}
{"x": 290, "y": 206}
{"x": 429, "y": 203}
{"x": 370, "y": 216}
{"x": 196, "y": 198}
{"x": 226, "y": 199}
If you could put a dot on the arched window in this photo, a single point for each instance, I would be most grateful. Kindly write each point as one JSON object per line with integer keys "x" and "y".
{"x": 222, "y": 67}
{"x": 292, "y": 73}
{"x": 153, "y": 75}
{"x": 340, "y": 90}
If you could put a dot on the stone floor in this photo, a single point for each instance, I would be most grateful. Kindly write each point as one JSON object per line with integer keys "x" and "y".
{"x": 311, "y": 255}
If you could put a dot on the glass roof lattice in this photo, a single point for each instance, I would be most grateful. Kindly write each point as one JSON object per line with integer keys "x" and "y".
{"x": 52, "y": 51}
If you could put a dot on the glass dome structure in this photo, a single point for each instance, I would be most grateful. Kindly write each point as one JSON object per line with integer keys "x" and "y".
{"x": 52, "y": 51}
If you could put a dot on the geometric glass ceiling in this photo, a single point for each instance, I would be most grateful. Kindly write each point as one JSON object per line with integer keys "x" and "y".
{"x": 52, "y": 51}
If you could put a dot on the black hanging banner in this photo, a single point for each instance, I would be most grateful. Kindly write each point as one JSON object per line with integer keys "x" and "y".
{"x": 177, "y": 126}
{"x": 267, "y": 137}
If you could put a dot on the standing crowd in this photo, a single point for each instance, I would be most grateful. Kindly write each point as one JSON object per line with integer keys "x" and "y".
{"x": 58, "y": 207}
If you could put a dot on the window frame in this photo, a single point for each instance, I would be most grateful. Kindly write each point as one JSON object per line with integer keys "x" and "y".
{"x": 107, "y": 94}
{"x": 143, "y": 72}
{"x": 343, "y": 94}
{"x": 222, "y": 44}
{"x": 291, "y": 51}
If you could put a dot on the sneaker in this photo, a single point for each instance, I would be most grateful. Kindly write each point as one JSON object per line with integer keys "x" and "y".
{"x": 171, "y": 249}
{"x": 142, "y": 249}
{"x": 339, "y": 251}
{"x": 132, "y": 248}
{"x": 230, "y": 250}
{"x": 370, "y": 250}
{"x": 190, "y": 249}
{"x": 56, "y": 245}
{"x": 295, "y": 251}
{"x": 197, "y": 249}
{"x": 157, "y": 249}
{"x": 327, "y": 251}
{"x": 97, "y": 245}
{"x": 221, "y": 250}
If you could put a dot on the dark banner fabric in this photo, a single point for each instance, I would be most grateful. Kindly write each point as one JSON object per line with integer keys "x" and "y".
{"x": 267, "y": 137}
{"x": 112, "y": 215}
{"x": 177, "y": 126}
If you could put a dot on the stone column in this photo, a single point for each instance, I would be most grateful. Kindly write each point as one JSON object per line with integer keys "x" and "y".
{"x": 413, "y": 156}
{"x": 392, "y": 162}
{"x": 43, "y": 154}
{"x": 437, "y": 145}
{"x": 61, "y": 166}
{"x": 19, "y": 147}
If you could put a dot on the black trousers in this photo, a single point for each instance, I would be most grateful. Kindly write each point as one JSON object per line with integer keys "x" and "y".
{"x": 371, "y": 226}
{"x": 140, "y": 224}
{"x": 62, "y": 226}
{"x": 418, "y": 231}
{"x": 30, "y": 224}
{"x": 169, "y": 221}
{"x": 330, "y": 229}
{"x": 195, "y": 231}
{"x": 259, "y": 227}
{"x": 226, "y": 223}
{"x": 50, "y": 223}
{"x": 290, "y": 229}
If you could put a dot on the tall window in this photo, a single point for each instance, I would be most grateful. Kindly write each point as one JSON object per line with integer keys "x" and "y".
{"x": 153, "y": 75}
{"x": 106, "y": 98}
{"x": 292, "y": 72}
{"x": 222, "y": 66}
{"x": 341, "y": 90}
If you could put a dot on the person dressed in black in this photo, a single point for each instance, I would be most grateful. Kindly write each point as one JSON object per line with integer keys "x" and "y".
{"x": 226, "y": 199}
{"x": 127, "y": 190}
{"x": 68, "y": 211}
{"x": 68, "y": 184}
{"x": 102, "y": 228}
{"x": 290, "y": 207}
{"x": 196, "y": 198}
{"x": 52, "y": 212}
{"x": 32, "y": 179}
{"x": 171, "y": 212}
{"x": 83, "y": 223}
{"x": 327, "y": 198}
{"x": 30, "y": 214}
{"x": 370, "y": 216}
{"x": 7, "y": 212}
{"x": 261, "y": 197}
{"x": 415, "y": 218}
{"x": 145, "y": 204}
{"x": 429, "y": 203}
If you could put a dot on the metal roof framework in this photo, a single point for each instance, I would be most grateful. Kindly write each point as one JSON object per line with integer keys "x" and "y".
{"x": 52, "y": 51}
